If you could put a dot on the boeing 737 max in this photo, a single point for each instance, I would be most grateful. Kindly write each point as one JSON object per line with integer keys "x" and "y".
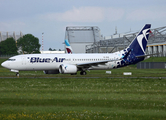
{"x": 71, "y": 63}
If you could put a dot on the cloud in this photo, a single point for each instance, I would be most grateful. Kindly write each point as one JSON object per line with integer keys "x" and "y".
{"x": 113, "y": 14}
{"x": 12, "y": 26}
{"x": 154, "y": 14}
{"x": 86, "y": 14}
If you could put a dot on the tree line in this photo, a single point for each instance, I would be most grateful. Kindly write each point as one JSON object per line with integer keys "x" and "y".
{"x": 27, "y": 44}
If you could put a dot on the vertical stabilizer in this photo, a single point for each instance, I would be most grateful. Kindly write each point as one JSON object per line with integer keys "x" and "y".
{"x": 135, "y": 52}
{"x": 68, "y": 47}
{"x": 138, "y": 45}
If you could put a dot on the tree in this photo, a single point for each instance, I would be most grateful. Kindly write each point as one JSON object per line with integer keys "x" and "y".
{"x": 28, "y": 44}
{"x": 8, "y": 47}
{"x": 50, "y": 49}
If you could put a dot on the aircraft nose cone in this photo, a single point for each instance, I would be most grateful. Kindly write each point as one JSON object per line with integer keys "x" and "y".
{"x": 4, "y": 64}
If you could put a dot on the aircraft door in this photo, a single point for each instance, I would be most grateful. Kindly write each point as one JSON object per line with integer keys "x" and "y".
{"x": 23, "y": 60}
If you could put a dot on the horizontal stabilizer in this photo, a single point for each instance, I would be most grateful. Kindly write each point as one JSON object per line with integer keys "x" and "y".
{"x": 140, "y": 56}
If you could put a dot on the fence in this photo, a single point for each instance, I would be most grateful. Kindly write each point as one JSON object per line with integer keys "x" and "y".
{"x": 151, "y": 65}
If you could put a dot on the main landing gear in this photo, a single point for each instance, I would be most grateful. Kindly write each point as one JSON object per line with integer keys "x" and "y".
{"x": 83, "y": 73}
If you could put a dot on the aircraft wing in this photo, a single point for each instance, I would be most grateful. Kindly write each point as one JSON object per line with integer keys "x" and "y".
{"x": 87, "y": 65}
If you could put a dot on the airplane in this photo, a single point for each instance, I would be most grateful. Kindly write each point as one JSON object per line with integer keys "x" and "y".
{"x": 71, "y": 63}
{"x": 68, "y": 47}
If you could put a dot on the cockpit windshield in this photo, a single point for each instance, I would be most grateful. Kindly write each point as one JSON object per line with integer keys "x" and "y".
{"x": 11, "y": 59}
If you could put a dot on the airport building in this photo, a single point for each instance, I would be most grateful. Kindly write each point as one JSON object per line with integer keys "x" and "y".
{"x": 5, "y": 35}
{"x": 81, "y": 36}
{"x": 89, "y": 40}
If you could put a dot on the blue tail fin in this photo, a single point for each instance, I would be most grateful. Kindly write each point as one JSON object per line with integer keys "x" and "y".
{"x": 138, "y": 45}
{"x": 135, "y": 52}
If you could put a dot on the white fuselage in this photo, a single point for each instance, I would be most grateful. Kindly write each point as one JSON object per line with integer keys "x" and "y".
{"x": 53, "y": 61}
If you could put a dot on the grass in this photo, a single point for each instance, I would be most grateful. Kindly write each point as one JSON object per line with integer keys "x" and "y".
{"x": 95, "y": 96}
{"x": 75, "y": 98}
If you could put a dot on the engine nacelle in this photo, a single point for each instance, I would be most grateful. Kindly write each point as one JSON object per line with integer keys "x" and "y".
{"x": 51, "y": 71}
{"x": 67, "y": 69}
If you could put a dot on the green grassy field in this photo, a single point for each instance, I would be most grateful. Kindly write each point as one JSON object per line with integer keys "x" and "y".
{"x": 76, "y": 98}
{"x": 95, "y": 96}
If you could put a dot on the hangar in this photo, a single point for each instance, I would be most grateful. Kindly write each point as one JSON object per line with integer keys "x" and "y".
{"x": 80, "y": 36}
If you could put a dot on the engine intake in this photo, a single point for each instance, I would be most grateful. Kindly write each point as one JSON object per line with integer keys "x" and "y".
{"x": 67, "y": 69}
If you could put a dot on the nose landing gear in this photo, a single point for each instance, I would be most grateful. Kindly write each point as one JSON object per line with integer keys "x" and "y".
{"x": 17, "y": 74}
{"x": 16, "y": 71}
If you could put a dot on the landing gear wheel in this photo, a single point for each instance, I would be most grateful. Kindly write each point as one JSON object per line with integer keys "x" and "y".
{"x": 17, "y": 74}
{"x": 83, "y": 73}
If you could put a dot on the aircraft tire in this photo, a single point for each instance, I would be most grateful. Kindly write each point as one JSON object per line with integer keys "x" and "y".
{"x": 17, "y": 74}
{"x": 83, "y": 73}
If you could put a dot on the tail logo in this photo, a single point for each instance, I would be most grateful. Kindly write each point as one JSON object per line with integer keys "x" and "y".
{"x": 145, "y": 33}
{"x": 68, "y": 47}
{"x": 68, "y": 50}
{"x": 67, "y": 43}
{"x": 141, "y": 37}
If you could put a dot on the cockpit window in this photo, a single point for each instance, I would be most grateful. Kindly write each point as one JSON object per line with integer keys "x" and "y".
{"x": 11, "y": 59}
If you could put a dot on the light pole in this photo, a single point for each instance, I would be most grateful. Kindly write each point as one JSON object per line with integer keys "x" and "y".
{"x": 42, "y": 42}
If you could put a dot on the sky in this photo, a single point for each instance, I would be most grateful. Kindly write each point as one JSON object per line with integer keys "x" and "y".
{"x": 51, "y": 17}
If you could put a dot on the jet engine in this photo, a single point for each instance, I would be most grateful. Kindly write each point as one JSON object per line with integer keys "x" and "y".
{"x": 67, "y": 69}
{"x": 51, "y": 71}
